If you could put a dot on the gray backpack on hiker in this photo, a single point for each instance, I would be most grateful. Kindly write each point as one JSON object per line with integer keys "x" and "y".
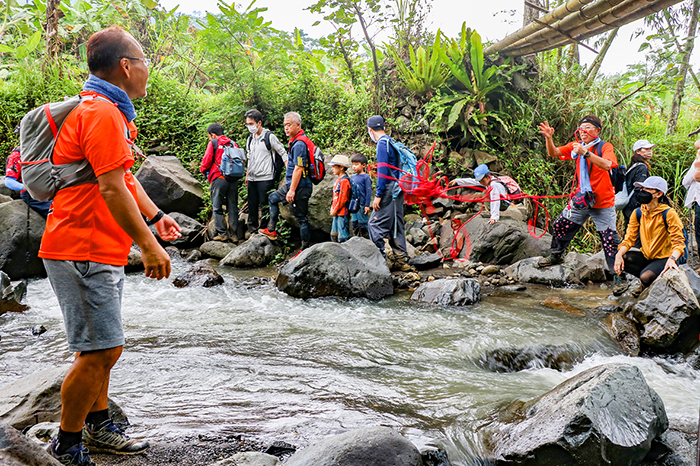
{"x": 39, "y": 131}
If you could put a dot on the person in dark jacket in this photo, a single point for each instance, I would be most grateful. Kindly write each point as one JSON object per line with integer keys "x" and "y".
{"x": 637, "y": 172}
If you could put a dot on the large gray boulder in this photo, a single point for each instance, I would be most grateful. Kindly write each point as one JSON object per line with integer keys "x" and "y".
{"x": 502, "y": 243}
{"x": 11, "y": 295}
{"x": 170, "y": 185}
{"x": 319, "y": 205}
{"x": 18, "y": 450}
{"x": 448, "y": 292}
{"x": 257, "y": 251}
{"x": 373, "y": 446}
{"x": 605, "y": 415}
{"x": 37, "y": 398}
{"x": 669, "y": 314}
{"x": 199, "y": 274}
{"x": 526, "y": 271}
{"x": 354, "y": 268}
{"x": 19, "y": 250}
{"x": 216, "y": 249}
{"x": 32, "y": 399}
{"x": 192, "y": 232}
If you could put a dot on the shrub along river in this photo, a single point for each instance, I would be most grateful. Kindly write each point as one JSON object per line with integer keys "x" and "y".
{"x": 245, "y": 358}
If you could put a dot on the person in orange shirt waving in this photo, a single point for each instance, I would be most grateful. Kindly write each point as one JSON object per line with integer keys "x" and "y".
{"x": 594, "y": 195}
{"x": 87, "y": 240}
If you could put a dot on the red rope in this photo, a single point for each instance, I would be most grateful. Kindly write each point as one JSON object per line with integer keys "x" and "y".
{"x": 423, "y": 188}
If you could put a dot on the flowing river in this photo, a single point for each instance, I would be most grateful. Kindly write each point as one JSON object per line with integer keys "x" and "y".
{"x": 245, "y": 358}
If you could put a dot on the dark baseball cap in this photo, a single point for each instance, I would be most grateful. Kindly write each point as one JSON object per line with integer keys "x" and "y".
{"x": 375, "y": 122}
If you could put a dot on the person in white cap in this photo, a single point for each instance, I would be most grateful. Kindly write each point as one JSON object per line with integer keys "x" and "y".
{"x": 637, "y": 172}
{"x": 691, "y": 182}
{"x": 661, "y": 232}
{"x": 342, "y": 191}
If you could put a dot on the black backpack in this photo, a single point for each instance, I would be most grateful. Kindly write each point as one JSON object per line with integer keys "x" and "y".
{"x": 617, "y": 174}
{"x": 277, "y": 160}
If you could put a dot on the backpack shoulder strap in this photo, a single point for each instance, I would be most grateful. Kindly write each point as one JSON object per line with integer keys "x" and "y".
{"x": 638, "y": 213}
{"x": 247, "y": 143}
{"x": 266, "y": 138}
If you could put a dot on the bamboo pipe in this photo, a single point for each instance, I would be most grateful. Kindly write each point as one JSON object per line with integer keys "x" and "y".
{"x": 584, "y": 14}
{"x": 602, "y": 23}
{"x": 571, "y": 6}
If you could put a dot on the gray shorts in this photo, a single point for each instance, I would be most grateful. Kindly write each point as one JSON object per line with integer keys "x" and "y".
{"x": 90, "y": 296}
{"x": 604, "y": 219}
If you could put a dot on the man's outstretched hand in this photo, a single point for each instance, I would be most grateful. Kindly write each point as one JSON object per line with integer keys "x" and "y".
{"x": 546, "y": 130}
{"x": 168, "y": 229}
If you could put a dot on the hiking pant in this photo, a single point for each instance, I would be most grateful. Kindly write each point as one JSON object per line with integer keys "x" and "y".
{"x": 340, "y": 229}
{"x": 388, "y": 222}
{"x": 257, "y": 196}
{"x": 646, "y": 269}
{"x": 224, "y": 190}
{"x": 300, "y": 210}
{"x": 570, "y": 222}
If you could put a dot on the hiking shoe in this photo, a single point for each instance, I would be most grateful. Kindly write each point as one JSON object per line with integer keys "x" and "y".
{"x": 552, "y": 259}
{"x": 402, "y": 265}
{"x": 620, "y": 285}
{"x": 77, "y": 455}
{"x": 221, "y": 238}
{"x": 270, "y": 234}
{"x": 107, "y": 438}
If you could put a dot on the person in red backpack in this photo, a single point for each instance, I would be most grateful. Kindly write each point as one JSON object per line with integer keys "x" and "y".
{"x": 298, "y": 187}
{"x": 13, "y": 180}
{"x": 222, "y": 189}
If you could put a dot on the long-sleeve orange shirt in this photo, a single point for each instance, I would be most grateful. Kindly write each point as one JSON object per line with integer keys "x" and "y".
{"x": 658, "y": 241}
{"x": 342, "y": 190}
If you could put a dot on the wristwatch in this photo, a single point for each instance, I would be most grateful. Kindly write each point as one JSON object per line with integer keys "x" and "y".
{"x": 155, "y": 219}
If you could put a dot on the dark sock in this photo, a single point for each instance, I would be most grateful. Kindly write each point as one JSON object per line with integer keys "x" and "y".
{"x": 96, "y": 418}
{"x": 66, "y": 440}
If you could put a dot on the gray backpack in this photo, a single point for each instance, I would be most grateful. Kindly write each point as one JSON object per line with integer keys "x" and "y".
{"x": 39, "y": 131}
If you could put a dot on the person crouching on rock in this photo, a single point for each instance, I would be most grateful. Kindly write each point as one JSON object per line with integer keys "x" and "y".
{"x": 661, "y": 232}
{"x": 594, "y": 196}
{"x": 498, "y": 192}
{"x": 342, "y": 190}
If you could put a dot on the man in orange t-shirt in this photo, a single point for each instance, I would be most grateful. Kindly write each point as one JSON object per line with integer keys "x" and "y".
{"x": 600, "y": 159}
{"x": 87, "y": 239}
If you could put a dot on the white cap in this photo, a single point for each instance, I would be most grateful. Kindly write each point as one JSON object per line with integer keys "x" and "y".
{"x": 643, "y": 144}
{"x": 653, "y": 182}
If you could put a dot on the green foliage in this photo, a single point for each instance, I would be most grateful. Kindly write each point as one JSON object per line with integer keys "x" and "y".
{"x": 427, "y": 72}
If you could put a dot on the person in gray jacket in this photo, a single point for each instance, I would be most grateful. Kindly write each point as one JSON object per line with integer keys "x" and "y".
{"x": 266, "y": 160}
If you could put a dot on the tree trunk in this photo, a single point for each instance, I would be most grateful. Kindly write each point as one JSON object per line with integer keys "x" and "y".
{"x": 370, "y": 43}
{"x": 529, "y": 13}
{"x": 686, "y": 52}
{"x": 680, "y": 49}
{"x": 53, "y": 14}
{"x": 348, "y": 61}
{"x": 573, "y": 58}
{"x": 595, "y": 66}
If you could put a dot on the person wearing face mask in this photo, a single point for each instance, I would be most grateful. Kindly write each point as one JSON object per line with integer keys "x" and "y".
{"x": 267, "y": 157}
{"x": 637, "y": 173}
{"x": 595, "y": 195}
{"x": 660, "y": 230}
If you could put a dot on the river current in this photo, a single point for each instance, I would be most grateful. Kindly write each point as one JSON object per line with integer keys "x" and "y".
{"x": 246, "y": 358}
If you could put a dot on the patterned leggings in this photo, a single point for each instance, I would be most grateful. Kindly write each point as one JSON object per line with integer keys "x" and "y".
{"x": 564, "y": 231}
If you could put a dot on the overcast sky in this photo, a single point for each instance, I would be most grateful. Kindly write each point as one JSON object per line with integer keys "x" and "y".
{"x": 493, "y": 19}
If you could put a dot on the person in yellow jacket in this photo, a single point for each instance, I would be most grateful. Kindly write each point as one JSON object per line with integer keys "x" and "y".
{"x": 661, "y": 232}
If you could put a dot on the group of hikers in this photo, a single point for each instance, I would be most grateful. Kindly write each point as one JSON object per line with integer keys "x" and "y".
{"x": 377, "y": 217}
{"x": 90, "y": 226}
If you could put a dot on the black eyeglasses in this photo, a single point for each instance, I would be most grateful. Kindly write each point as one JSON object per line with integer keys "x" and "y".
{"x": 146, "y": 61}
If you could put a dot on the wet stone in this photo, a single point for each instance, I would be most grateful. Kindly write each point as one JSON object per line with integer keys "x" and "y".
{"x": 38, "y": 330}
{"x": 512, "y": 359}
{"x": 200, "y": 274}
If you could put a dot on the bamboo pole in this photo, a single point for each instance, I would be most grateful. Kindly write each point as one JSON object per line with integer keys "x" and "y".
{"x": 584, "y": 14}
{"x": 625, "y": 13}
{"x": 563, "y": 11}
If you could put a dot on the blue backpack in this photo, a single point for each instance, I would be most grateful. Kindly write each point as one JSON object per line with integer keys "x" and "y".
{"x": 408, "y": 180}
{"x": 232, "y": 161}
{"x": 684, "y": 258}
{"x": 354, "y": 204}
